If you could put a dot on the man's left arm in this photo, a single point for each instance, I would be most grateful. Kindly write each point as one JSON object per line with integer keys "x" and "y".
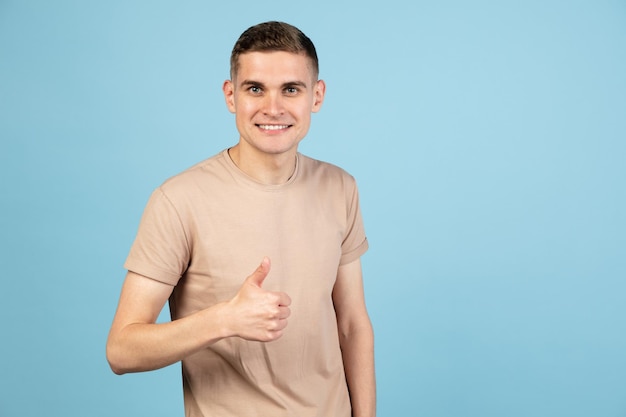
{"x": 356, "y": 338}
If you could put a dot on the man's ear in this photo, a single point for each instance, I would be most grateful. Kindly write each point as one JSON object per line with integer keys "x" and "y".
{"x": 229, "y": 95}
{"x": 318, "y": 95}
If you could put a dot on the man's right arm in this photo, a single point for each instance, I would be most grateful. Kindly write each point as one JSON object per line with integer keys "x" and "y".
{"x": 137, "y": 343}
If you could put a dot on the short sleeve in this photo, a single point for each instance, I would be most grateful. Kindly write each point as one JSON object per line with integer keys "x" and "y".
{"x": 355, "y": 242}
{"x": 161, "y": 249}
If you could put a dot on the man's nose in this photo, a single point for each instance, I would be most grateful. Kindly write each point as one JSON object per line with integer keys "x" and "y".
{"x": 273, "y": 104}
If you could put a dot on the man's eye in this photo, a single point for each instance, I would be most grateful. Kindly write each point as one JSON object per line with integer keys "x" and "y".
{"x": 291, "y": 90}
{"x": 255, "y": 90}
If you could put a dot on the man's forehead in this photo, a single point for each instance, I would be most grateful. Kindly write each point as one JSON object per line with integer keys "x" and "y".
{"x": 273, "y": 64}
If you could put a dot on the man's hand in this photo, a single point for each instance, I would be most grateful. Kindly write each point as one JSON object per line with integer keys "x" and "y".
{"x": 257, "y": 314}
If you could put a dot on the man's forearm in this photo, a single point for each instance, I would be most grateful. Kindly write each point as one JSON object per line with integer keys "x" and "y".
{"x": 148, "y": 346}
{"x": 358, "y": 358}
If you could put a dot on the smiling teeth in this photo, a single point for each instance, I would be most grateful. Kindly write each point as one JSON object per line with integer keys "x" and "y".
{"x": 273, "y": 127}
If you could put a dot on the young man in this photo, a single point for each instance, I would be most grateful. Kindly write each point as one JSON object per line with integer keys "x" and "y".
{"x": 257, "y": 250}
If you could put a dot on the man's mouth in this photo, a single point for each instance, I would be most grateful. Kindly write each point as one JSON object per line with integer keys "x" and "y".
{"x": 273, "y": 127}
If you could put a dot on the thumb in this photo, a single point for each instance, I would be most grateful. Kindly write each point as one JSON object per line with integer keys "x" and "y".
{"x": 258, "y": 276}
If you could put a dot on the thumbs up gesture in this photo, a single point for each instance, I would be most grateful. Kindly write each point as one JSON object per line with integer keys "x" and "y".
{"x": 257, "y": 314}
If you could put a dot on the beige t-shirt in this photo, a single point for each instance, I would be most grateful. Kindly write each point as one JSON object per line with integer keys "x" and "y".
{"x": 205, "y": 230}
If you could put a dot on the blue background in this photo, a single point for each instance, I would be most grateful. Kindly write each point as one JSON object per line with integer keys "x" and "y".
{"x": 488, "y": 140}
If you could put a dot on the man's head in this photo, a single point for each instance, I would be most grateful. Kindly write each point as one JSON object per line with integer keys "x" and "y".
{"x": 274, "y": 88}
{"x": 273, "y": 36}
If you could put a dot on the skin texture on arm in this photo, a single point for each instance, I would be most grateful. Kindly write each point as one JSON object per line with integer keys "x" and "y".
{"x": 137, "y": 343}
{"x": 356, "y": 338}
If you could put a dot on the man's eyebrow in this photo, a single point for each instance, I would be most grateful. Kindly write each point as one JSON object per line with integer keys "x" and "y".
{"x": 295, "y": 84}
{"x": 249, "y": 83}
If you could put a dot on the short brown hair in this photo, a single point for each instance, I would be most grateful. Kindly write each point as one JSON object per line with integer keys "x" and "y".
{"x": 273, "y": 36}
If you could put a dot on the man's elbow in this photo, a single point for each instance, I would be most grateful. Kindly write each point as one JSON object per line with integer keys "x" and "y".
{"x": 361, "y": 330}
{"x": 115, "y": 359}
{"x": 116, "y": 370}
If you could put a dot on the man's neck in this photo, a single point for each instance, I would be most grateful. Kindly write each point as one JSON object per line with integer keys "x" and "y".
{"x": 268, "y": 169}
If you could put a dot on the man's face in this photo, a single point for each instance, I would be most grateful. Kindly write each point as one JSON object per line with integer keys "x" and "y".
{"x": 272, "y": 96}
